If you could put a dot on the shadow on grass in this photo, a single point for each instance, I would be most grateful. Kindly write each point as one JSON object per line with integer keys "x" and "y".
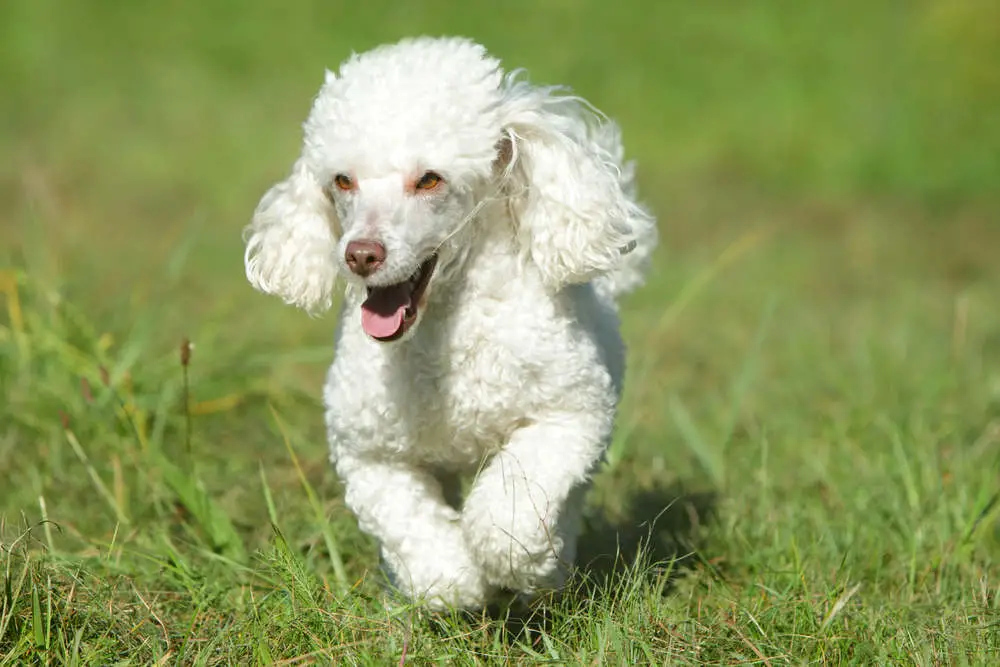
{"x": 660, "y": 530}
{"x": 654, "y": 542}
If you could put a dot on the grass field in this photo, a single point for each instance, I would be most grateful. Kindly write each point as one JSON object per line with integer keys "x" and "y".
{"x": 809, "y": 447}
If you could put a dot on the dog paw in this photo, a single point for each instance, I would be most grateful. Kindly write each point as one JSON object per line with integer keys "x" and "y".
{"x": 439, "y": 579}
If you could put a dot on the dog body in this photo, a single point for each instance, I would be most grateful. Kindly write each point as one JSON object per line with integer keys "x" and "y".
{"x": 485, "y": 228}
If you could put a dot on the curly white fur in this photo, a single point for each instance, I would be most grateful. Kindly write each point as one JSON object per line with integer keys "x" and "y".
{"x": 513, "y": 371}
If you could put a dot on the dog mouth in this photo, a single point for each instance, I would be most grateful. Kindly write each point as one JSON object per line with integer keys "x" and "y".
{"x": 390, "y": 310}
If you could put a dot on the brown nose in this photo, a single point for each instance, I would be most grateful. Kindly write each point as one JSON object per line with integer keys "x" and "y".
{"x": 364, "y": 257}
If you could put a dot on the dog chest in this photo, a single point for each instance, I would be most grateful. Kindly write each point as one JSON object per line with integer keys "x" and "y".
{"x": 470, "y": 398}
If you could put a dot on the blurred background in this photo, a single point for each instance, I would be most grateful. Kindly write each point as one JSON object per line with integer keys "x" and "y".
{"x": 131, "y": 129}
{"x": 826, "y": 176}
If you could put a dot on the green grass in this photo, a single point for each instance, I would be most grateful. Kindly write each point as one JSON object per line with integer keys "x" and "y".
{"x": 809, "y": 446}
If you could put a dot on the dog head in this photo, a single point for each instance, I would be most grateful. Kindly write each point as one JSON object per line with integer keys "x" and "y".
{"x": 402, "y": 148}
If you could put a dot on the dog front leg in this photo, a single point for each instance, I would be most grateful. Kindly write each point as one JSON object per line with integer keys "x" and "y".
{"x": 419, "y": 532}
{"x": 521, "y": 518}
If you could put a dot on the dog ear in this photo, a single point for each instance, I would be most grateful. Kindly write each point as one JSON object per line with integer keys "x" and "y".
{"x": 291, "y": 241}
{"x": 571, "y": 195}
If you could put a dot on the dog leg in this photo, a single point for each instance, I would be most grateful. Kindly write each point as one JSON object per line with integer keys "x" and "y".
{"x": 420, "y": 534}
{"x": 522, "y": 516}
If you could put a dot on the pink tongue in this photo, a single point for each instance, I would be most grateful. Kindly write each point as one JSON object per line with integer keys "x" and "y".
{"x": 382, "y": 312}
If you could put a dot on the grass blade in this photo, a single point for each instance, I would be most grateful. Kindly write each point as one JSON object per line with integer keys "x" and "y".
{"x": 339, "y": 571}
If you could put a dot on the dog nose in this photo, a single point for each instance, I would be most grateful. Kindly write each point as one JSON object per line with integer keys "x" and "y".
{"x": 364, "y": 257}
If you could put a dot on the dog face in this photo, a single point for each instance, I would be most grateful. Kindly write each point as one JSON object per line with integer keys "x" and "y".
{"x": 394, "y": 225}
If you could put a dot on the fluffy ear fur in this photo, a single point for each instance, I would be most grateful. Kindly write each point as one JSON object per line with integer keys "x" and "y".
{"x": 571, "y": 195}
{"x": 290, "y": 242}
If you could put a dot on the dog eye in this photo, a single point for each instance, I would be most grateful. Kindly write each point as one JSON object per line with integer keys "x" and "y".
{"x": 343, "y": 182}
{"x": 428, "y": 181}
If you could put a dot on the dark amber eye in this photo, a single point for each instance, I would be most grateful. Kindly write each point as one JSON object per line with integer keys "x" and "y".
{"x": 343, "y": 182}
{"x": 428, "y": 181}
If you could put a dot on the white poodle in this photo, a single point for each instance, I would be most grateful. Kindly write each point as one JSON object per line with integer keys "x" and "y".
{"x": 484, "y": 227}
